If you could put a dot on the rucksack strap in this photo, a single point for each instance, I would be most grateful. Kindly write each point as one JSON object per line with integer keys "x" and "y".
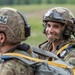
{"x": 62, "y": 48}
{"x": 74, "y": 71}
{"x": 13, "y": 55}
{"x": 44, "y": 53}
{"x": 10, "y": 55}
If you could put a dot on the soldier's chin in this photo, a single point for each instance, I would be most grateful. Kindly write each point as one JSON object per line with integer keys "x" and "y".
{"x": 51, "y": 39}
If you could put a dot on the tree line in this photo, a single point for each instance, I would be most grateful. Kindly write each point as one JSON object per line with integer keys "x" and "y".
{"x": 21, "y": 2}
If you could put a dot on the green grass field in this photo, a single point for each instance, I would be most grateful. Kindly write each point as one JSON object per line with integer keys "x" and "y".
{"x": 34, "y": 14}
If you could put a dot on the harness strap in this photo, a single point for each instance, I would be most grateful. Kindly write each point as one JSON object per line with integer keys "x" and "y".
{"x": 73, "y": 71}
{"x": 39, "y": 60}
{"x": 62, "y": 48}
{"x": 44, "y": 53}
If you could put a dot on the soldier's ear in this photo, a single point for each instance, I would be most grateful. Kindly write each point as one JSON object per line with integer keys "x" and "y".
{"x": 2, "y": 37}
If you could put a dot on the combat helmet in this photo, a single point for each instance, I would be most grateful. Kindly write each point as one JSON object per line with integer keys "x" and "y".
{"x": 61, "y": 15}
{"x": 14, "y": 25}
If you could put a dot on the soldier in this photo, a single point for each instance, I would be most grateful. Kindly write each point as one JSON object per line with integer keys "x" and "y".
{"x": 13, "y": 29}
{"x": 58, "y": 25}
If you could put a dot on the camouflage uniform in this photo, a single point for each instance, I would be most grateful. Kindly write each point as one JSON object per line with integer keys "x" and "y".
{"x": 15, "y": 67}
{"x": 65, "y": 17}
{"x": 14, "y": 26}
{"x": 68, "y": 57}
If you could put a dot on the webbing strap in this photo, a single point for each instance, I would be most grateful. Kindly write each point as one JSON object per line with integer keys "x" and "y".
{"x": 74, "y": 71}
{"x": 44, "y": 53}
{"x": 38, "y": 60}
{"x": 61, "y": 49}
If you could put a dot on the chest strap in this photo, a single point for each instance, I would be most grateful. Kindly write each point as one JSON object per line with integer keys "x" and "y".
{"x": 62, "y": 48}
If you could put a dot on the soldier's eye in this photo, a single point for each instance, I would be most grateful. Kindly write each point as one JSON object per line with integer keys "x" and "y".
{"x": 48, "y": 25}
{"x": 56, "y": 26}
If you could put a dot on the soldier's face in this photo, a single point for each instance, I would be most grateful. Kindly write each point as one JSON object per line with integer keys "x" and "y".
{"x": 53, "y": 31}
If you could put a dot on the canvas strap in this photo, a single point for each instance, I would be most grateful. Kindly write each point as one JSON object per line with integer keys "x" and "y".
{"x": 40, "y": 60}
{"x": 62, "y": 48}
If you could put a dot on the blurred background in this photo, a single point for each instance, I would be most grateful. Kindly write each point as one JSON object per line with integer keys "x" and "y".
{"x": 34, "y": 11}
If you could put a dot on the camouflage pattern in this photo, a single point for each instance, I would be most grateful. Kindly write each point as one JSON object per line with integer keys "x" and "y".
{"x": 12, "y": 24}
{"x": 64, "y": 16}
{"x": 15, "y": 67}
{"x": 59, "y": 14}
{"x": 69, "y": 57}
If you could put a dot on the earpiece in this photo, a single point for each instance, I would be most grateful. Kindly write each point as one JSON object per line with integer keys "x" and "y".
{"x": 26, "y": 25}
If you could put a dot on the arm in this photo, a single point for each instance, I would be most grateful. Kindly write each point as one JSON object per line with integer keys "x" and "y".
{"x": 16, "y": 67}
{"x": 7, "y": 68}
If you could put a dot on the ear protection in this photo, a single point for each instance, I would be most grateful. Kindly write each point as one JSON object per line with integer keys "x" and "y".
{"x": 26, "y": 25}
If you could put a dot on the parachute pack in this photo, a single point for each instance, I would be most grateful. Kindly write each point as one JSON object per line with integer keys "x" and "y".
{"x": 41, "y": 67}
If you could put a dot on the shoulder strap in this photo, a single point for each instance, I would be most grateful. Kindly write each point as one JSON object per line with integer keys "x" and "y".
{"x": 44, "y": 53}
{"x": 62, "y": 48}
{"x": 15, "y": 55}
{"x": 19, "y": 56}
{"x": 10, "y": 55}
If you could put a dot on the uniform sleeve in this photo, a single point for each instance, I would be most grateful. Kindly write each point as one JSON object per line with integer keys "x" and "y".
{"x": 6, "y": 68}
{"x": 70, "y": 57}
{"x": 15, "y": 68}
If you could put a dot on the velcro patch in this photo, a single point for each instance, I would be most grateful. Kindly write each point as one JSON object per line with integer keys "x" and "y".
{"x": 3, "y": 19}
